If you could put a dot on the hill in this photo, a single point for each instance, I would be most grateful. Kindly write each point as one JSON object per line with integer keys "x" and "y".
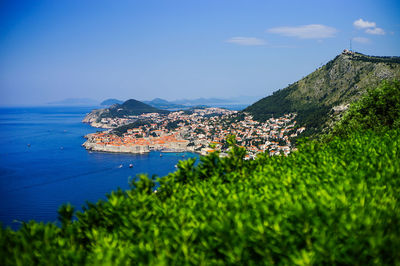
{"x": 130, "y": 107}
{"x": 318, "y": 97}
{"x": 164, "y": 104}
{"x": 109, "y": 102}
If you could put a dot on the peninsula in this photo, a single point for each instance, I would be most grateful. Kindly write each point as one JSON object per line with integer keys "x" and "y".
{"x": 197, "y": 130}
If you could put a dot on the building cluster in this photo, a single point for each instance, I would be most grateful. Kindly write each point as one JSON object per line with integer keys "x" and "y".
{"x": 200, "y": 130}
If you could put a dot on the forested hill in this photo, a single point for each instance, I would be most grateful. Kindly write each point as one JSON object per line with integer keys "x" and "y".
{"x": 130, "y": 107}
{"x": 316, "y": 97}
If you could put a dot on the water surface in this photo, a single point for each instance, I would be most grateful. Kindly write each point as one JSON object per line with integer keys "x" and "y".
{"x": 42, "y": 164}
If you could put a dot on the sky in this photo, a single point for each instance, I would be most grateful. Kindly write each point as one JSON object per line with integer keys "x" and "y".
{"x": 174, "y": 49}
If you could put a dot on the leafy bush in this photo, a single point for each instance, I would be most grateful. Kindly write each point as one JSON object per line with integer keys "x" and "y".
{"x": 331, "y": 203}
{"x": 379, "y": 110}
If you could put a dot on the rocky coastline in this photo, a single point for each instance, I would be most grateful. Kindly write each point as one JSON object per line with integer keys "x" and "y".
{"x": 93, "y": 119}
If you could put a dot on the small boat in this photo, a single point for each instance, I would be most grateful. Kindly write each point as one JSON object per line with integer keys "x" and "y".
{"x": 160, "y": 155}
{"x": 29, "y": 145}
{"x": 130, "y": 165}
{"x": 120, "y": 166}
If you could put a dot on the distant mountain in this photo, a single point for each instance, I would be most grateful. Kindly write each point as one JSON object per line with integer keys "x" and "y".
{"x": 184, "y": 104}
{"x": 164, "y": 104}
{"x": 159, "y": 101}
{"x": 76, "y": 102}
{"x": 202, "y": 101}
{"x": 328, "y": 90}
{"x": 109, "y": 102}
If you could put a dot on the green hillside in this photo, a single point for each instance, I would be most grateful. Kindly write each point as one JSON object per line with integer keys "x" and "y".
{"x": 331, "y": 87}
{"x": 130, "y": 107}
{"x": 335, "y": 202}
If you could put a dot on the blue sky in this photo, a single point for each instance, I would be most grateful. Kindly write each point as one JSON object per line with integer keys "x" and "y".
{"x": 52, "y": 50}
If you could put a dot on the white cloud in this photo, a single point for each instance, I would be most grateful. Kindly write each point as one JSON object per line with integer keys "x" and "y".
{"x": 375, "y": 31}
{"x": 370, "y": 27}
{"x": 361, "y": 40}
{"x": 363, "y": 24}
{"x": 247, "y": 41}
{"x": 312, "y": 31}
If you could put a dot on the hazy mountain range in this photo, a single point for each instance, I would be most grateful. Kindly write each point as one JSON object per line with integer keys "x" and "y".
{"x": 160, "y": 103}
{"x": 185, "y": 103}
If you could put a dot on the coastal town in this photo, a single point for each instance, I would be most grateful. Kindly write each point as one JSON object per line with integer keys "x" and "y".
{"x": 202, "y": 130}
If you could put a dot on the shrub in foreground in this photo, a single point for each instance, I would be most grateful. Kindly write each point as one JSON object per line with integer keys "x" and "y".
{"x": 378, "y": 110}
{"x": 331, "y": 203}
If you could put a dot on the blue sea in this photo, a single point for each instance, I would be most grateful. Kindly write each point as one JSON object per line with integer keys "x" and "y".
{"x": 43, "y": 165}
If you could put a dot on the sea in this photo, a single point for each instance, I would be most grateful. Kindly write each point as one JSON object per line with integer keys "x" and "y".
{"x": 43, "y": 165}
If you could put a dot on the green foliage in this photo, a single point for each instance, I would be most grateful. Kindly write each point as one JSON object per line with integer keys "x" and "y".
{"x": 378, "y": 110}
{"x": 329, "y": 203}
{"x": 143, "y": 185}
{"x": 65, "y": 213}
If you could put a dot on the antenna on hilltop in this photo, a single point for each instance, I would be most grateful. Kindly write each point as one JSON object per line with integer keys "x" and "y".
{"x": 350, "y": 46}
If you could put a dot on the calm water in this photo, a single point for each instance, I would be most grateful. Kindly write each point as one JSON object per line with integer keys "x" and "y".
{"x": 55, "y": 169}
